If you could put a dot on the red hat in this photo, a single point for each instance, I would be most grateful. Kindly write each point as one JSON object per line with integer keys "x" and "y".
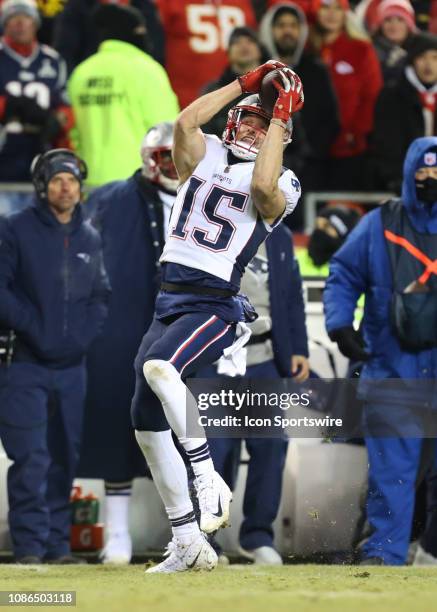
{"x": 395, "y": 8}
{"x": 317, "y": 4}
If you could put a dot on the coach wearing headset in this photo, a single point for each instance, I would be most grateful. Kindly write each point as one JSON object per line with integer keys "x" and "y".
{"x": 53, "y": 301}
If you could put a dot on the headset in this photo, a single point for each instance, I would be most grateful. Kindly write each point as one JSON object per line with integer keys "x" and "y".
{"x": 40, "y": 165}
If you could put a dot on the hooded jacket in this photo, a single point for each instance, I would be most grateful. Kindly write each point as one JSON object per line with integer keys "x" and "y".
{"x": 53, "y": 286}
{"x": 319, "y": 115}
{"x": 362, "y": 265}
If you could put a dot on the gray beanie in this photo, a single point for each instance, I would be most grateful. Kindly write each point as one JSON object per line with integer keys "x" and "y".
{"x": 10, "y": 8}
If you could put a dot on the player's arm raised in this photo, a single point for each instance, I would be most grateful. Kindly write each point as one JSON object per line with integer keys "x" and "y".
{"x": 189, "y": 144}
{"x": 266, "y": 194}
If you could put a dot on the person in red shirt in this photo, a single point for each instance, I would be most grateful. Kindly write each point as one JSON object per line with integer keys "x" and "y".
{"x": 197, "y": 34}
{"x": 357, "y": 80}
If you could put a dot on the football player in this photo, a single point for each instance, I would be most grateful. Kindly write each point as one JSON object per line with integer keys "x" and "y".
{"x": 232, "y": 194}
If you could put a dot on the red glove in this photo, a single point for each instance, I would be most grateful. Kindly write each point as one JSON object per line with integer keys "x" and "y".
{"x": 251, "y": 82}
{"x": 290, "y": 95}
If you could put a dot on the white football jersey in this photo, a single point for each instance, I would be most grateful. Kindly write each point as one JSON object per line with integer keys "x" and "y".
{"x": 214, "y": 224}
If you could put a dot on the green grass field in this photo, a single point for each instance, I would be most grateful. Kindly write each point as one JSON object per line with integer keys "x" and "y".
{"x": 293, "y": 588}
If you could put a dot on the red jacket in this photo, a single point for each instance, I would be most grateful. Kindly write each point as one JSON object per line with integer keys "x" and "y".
{"x": 196, "y": 36}
{"x": 357, "y": 79}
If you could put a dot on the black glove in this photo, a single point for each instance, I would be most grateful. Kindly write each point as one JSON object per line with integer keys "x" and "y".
{"x": 350, "y": 343}
{"x": 26, "y": 110}
{"x": 50, "y": 130}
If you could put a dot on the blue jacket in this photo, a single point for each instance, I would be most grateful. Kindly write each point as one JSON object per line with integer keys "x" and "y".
{"x": 53, "y": 286}
{"x": 289, "y": 334}
{"x": 128, "y": 215}
{"x": 362, "y": 265}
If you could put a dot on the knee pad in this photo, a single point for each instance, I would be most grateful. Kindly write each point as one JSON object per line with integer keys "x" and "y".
{"x": 161, "y": 376}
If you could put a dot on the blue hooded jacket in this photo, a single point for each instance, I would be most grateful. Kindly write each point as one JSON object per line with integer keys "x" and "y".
{"x": 53, "y": 286}
{"x": 362, "y": 265}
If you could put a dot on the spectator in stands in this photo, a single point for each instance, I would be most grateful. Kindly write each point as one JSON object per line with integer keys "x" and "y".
{"x": 117, "y": 94}
{"x": 196, "y": 36}
{"x": 357, "y": 79}
{"x": 245, "y": 53}
{"x": 333, "y": 225}
{"x": 284, "y": 32}
{"x": 53, "y": 296}
{"x": 277, "y": 348}
{"x": 406, "y": 109}
{"x": 394, "y": 29}
{"x": 34, "y": 113}
{"x": 75, "y": 37}
{"x": 367, "y": 13}
{"x": 389, "y": 257}
{"x": 132, "y": 217}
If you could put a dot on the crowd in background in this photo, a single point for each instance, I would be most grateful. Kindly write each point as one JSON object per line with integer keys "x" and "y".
{"x": 96, "y": 75}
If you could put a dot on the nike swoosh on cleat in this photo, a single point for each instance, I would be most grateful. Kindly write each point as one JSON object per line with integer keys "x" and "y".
{"x": 219, "y": 512}
{"x": 191, "y": 565}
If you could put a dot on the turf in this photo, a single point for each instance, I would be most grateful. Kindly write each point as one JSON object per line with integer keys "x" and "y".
{"x": 293, "y": 588}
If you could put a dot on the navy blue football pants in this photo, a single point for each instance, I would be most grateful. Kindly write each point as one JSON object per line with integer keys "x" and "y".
{"x": 262, "y": 495}
{"x": 189, "y": 341}
{"x": 41, "y": 412}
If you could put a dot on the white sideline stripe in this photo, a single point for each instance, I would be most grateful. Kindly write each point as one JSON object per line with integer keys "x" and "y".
{"x": 206, "y": 346}
{"x": 195, "y": 332}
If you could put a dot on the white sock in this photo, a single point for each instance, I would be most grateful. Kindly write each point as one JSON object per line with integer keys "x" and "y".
{"x": 117, "y": 511}
{"x": 166, "y": 383}
{"x": 170, "y": 478}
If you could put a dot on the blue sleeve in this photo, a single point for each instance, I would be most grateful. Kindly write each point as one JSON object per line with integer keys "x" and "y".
{"x": 348, "y": 275}
{"x": 97, "y": 310}
{"x": 15, "y": 312}
{"x": 297, "y": 322}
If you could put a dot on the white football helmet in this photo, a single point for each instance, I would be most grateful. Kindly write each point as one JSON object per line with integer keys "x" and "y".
{"x": 158, "y": 164}
{"x": 248, "y": 148}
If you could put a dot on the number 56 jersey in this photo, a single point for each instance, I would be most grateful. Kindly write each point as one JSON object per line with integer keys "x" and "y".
{"x": 214, "y": 225}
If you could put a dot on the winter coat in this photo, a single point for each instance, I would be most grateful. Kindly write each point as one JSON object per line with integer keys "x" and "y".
{"x": 362, "y": 265}
{"x": 53, "y": 286}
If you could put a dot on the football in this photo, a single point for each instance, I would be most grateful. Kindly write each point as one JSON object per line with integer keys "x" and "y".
{"x": 268, "y": 93}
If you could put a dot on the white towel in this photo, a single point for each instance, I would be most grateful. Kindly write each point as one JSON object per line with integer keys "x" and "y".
{"x": 233, "y": 360}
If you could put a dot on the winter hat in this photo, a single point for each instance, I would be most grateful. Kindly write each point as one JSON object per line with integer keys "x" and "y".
{"x": 396, "y": 8}
{"x": 343, "y": 219}
{"x": 243, "y": 31}
{"x": 428, "y": 159}
{"x": 10, "y": 8}
{"x": 119, "y": 22}
{"x": 420, "y": 44}
{"x": 317, "y": 4}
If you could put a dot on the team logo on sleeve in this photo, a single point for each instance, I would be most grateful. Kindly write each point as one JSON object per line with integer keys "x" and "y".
{"x": 295, "y": 184}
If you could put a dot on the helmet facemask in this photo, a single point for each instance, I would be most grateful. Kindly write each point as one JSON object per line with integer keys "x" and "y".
{"x": 245, "y": 140}
{"x": 158, "y": 167}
